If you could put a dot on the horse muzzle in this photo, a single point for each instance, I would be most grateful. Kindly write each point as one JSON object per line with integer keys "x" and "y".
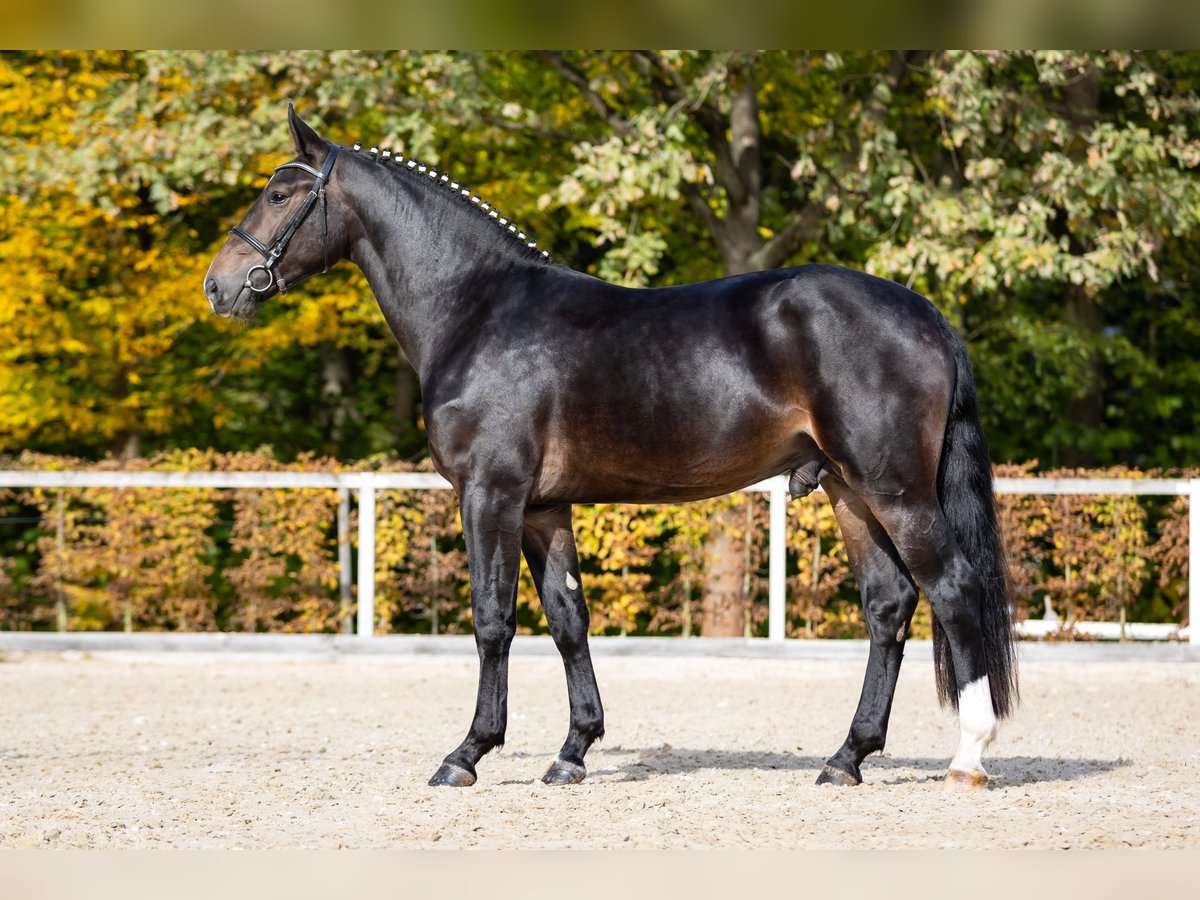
{"x": 235, "y": 302}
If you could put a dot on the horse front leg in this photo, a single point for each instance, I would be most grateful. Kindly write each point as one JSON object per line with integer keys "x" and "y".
{"x": 492, "y": 524}
{"x": 549, "y": 546}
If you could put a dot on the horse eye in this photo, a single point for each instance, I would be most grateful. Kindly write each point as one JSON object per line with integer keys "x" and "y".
{"x": 277, "y": 197}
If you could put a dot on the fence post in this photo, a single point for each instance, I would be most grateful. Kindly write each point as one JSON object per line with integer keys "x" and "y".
{"x": 1193, "y": 560}
{"x": 345, "y": 569}
{"x": 60, "y": 548}
{"x": 366, "y": 555}
{"x": 777, "y": 570}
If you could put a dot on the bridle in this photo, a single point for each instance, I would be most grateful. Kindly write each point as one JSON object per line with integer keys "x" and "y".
{"x": 273, "y": 253}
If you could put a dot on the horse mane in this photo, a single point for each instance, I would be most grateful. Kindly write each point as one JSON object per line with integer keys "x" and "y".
{"x": 396, "y": 162}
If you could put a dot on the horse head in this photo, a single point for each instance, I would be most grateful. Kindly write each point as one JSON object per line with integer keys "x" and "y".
{"x": 292, "y": 231}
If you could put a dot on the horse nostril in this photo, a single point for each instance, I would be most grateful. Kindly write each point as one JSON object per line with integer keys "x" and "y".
{"x": 210, "y": 289}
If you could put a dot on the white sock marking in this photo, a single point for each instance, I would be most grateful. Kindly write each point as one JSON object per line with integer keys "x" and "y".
{"x": 977, "y": 723}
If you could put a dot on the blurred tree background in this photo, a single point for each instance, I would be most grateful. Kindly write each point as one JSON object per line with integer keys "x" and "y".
{"x": 1047, "y": 202}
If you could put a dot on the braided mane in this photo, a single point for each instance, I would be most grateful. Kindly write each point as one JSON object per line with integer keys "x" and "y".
{"x": 397, "y": 162}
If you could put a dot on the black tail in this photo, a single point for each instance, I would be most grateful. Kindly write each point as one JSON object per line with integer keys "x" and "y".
{"x": 965, "y": 492}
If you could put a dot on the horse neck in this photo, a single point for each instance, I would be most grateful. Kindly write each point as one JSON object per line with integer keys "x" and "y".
{"x": 430, "y": 258}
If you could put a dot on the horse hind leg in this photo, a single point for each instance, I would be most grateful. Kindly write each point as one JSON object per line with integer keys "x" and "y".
{"x": 926, "y": 543}
{"x": 889, "y": 598}
{"x": 549, "y": 546}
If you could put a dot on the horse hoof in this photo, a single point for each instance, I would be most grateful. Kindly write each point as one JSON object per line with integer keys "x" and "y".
{"x": 450, "y": 775}
{"x": 958, "y": 779}
{"x": 830, "y": 775}
{"x": 563, "y": 772}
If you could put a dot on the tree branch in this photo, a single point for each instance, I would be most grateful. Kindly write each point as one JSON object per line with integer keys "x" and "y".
{"x": 744, "y": 147}
{"x": 902, "y": 62}
{"x": 527, "y": 128}
{"x": 800, "y": 229}
{"x": 699, "y": 204}
{"x": 670, "y": 87}
{"x": 667, "y": 86}
{"x": 555, "y": 60}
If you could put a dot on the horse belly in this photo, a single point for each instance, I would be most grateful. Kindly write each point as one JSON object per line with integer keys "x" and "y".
{"x": 693, "y": 402}
{"x": 671, "y": 457}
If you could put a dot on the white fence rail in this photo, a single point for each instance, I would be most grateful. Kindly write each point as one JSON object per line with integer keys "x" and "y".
{"x": 368, "y": 483}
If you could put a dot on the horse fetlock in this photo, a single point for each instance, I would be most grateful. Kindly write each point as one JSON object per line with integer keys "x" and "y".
{"x": 487, "y": 740}
{"x": 588, "y": 730}
{"x": 866, "y": 739}
{"x": 977, "y": 729}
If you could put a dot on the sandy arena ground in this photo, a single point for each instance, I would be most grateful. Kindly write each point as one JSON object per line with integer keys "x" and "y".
{"x": 198, "y": 750}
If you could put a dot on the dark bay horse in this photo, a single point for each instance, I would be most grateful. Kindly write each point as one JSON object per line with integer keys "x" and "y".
{"x": 545, "y": 387}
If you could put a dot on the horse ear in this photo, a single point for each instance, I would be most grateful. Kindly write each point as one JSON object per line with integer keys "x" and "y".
{"x": 308, "y": 142}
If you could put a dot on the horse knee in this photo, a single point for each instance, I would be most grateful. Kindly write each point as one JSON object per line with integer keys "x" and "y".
{"x": 569, "y": 636}
{"x": 494, "y": 638}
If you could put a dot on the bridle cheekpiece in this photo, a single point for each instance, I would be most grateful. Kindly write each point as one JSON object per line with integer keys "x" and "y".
{"x": 272, "y": 254}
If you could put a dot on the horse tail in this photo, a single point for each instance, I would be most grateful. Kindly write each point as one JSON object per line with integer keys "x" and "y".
{"x": 968, "y": 502}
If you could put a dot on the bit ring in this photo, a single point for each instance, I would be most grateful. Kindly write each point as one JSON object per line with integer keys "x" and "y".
{"x": 250, "y": 279}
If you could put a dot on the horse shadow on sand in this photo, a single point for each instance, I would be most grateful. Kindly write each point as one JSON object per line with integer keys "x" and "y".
{"x": 643, "y": 763}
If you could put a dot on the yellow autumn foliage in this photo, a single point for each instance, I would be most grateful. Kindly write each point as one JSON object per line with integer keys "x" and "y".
{"x": 106, "y": 338}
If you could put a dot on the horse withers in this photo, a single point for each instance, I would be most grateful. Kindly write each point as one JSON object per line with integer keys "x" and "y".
{"x": 544, "y": 387}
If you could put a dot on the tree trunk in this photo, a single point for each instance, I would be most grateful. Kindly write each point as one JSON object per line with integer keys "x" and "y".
{"x": 1081, "y": 104}
{"x": 336, "y": 405}
{"x": 128, "y": 445}
{"x": 1084, "y": 314}
{"x": 723, "y": 606}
